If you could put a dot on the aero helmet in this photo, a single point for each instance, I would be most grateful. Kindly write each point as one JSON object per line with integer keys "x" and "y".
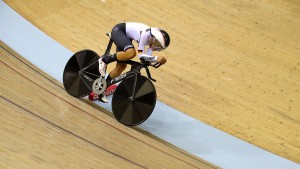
{"x": 161, "y": 36}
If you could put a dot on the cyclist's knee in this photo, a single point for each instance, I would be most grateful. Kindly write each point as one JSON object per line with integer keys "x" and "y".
{"x": 130, "y": 53}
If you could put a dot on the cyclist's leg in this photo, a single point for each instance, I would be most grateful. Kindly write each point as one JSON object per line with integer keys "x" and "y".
{"x": 120, "y": 67}
{"x": 125, "y": 47}
{"x": 126, "y": 55}
{"x": 126, "y": 50}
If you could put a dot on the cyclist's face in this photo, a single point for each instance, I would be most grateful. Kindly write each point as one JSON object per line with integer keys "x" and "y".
{"x": 155, "y": 45}
{"x": 155, "y": 48}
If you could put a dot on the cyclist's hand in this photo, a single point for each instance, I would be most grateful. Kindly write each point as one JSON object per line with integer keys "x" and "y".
{"x": 162, "y": 60}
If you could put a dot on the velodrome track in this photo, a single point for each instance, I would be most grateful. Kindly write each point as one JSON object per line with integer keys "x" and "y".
{"x": 49, "y": 129}
{"x": 292, "y": 127}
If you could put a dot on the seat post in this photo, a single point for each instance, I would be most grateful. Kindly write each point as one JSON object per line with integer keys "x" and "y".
{"x": 107, "y": 51}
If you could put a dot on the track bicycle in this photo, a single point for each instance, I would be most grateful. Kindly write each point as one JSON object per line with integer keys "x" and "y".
{"x": 133, "y": 100}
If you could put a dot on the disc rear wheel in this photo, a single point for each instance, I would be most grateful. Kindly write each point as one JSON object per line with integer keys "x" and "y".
{"x": 86, "y": 61}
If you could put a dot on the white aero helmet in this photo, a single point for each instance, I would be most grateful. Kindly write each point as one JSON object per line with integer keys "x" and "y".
{"x": 161, "y": 36}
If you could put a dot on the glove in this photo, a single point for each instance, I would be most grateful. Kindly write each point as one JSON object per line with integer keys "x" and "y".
{"x": 148, "y": 58}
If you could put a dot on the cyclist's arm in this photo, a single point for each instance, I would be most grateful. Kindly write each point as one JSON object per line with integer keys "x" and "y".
{"x": 145, "y": 55}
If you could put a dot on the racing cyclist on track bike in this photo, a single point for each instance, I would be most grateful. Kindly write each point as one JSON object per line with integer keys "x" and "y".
{"x": 122, "y": 35}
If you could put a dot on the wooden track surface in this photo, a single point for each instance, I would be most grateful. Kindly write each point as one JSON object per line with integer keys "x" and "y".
{"x": 234, "y": 65}
{"x": 41, "y": 126}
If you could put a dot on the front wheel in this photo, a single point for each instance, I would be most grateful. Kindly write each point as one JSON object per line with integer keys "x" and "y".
{"x": 134, "y": 100}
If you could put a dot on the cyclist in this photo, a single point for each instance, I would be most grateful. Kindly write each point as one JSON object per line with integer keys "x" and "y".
{"x": 122, "y": 35}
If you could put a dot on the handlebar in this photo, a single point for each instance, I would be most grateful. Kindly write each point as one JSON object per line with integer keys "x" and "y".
{"x": 143, "y": 64}
{"x": 155, "y": 65}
